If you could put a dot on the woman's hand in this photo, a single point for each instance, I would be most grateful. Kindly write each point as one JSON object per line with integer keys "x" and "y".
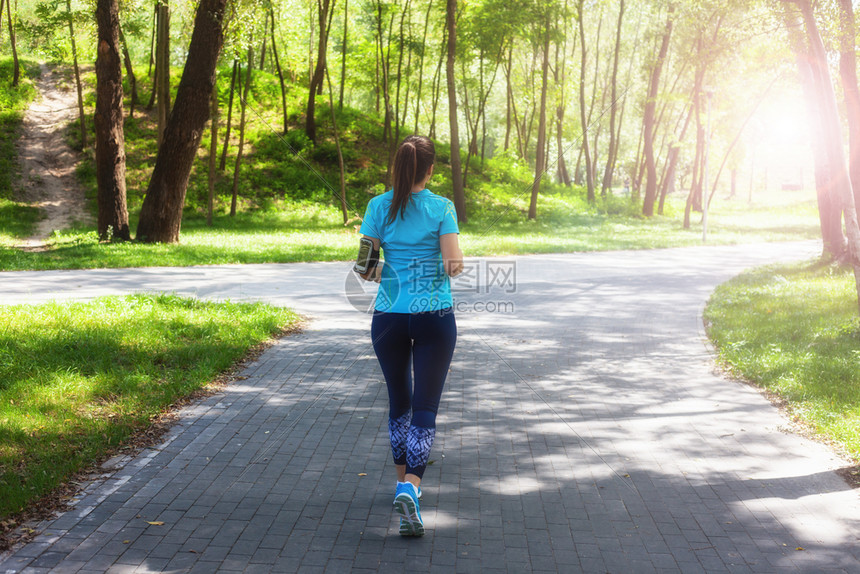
{"x": 452, "y": 255}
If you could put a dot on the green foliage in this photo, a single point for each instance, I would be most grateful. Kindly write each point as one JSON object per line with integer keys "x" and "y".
{"x": 793, "y": 329}
{"x": 78, "y": 379}
{"x": 16, "y": 219}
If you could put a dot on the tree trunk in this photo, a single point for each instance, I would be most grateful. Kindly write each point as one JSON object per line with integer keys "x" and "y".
{"x": 342, "y": 57}
{"x": 319, "y": 69}
{"x": 162, "y": 68}
{"x": 540, "y": 160}
{"x": 16, "y": 67}
{"x": 161, "y": 213}
{"x": 223, "y": 164}
{"x": 437, "y": 82}
{"x": 648, "y": 121}
{"x": 77, "y": 73}
{"x": 340, "y": 165}
{"x": 421, "y": 66}
{"x": 244, "y": 106}
{"x": 612, "y": 150}
{"x": 456, "y": 172}
{"x": 280, "y": 70}
{"x": 213, "y": 153}
{"x": 126, "y": 58}
{"x": 110, "y": 138}
{"x": 589, "y": 179}
{"x": 833, "y": 131}
{"x": 848, "y": 73}
{"x": 265, "y": 37}
{"x": 829, "y": 212}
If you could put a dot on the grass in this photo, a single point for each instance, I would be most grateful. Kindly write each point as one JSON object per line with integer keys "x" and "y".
{"x": 307, "y": 231}
{"x": 794, "y": 330}
{"x": 16, "y": 218}
{"x": 78, "y": 379}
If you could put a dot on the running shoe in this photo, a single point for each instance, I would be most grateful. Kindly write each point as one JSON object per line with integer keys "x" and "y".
{"x": 419, "y": 490}
{"x": 406, "y": 505}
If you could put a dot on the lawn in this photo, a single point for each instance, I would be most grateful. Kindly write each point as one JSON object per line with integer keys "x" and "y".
{"x": 78, "y": 379}
{"x": 794, "y": 330}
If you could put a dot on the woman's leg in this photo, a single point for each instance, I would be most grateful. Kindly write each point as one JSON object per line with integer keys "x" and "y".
{"x": 434, "y": 337}
{"x": 393, "y": 347}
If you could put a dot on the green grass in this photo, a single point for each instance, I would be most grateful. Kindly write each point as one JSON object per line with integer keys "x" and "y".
{"x": 794, "y": 330}
{"x": 16, "y": 219}
{"x": 78, "y": 379}
{"x": 304, "y": 231}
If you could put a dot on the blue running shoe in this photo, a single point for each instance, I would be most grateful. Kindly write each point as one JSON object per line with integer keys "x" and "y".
{"x": 419, "y": 490}
{"x": 406, "y": 505}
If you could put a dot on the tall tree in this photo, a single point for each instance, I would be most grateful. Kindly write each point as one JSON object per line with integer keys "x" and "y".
{"x": 279, "y": 69}
{"x": 540, "y": 162}
{"x": 161, "y": 213}
{"x": 589, "y": 171}
{"x": 162, "y": 68}
{"x": 833, "y": 130}
{"x": 78, "y": 82}
{"x": 213, "y": 154}
{"x": 648, "y": 120}
{"x": 129, "y": 70}
{"x": 110, "y": 138}
{"x": 456, "y": 168}
{"x": 325, "y": 9}
{"x": 829, "y": 210}
{"x": 222, "y": 165}
{"x": 851, "y": 91}
{"x": 16, "y": 67}
{"x": 612, "y": 152}
{"x": 244, "y": 105}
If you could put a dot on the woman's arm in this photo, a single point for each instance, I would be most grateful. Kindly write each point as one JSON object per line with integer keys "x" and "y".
{"x": 452, "y": 255}
{"x": 374, "y": 273}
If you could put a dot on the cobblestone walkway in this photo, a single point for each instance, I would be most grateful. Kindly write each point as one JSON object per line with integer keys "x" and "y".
{"x": 583, "y": 429}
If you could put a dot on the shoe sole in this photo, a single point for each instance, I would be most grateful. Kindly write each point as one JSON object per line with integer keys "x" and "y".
{"x": 410, "y": 524}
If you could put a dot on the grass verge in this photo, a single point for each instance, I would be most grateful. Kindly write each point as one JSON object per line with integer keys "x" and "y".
{"x": 794, "y": 330}
{"x": 79, "y": 379}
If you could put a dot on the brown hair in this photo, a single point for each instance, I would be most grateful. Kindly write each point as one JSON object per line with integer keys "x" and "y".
{"x": 412, "y": 161}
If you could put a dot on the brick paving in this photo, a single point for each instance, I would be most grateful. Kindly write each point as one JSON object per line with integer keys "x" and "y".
{"x": 582, "y": 430}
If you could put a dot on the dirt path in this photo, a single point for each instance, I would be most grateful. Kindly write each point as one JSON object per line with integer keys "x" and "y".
{"x": 47, "y": 163}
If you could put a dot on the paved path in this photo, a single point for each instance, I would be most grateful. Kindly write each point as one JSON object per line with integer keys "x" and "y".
{"x": 585, "y": 431}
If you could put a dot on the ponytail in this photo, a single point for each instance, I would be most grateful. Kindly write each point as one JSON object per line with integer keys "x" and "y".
{"x": 412, "y": 161}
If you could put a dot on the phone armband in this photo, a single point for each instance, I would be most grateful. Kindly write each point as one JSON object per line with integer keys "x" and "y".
{"x": 368, "y": 257}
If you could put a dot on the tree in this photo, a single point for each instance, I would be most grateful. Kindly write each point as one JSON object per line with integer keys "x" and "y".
{"x": 77, "y": 75}
{"x": 613, "y": 112}
{"x": 589, "y": 171}
{"x": 832, "y": 130}
{"x": 325, "y": 10}
{"x": 243, "y": 107}
{"x": 648, "y": 120}
{"x": 456, "y": 169}
{"x": 162, "y": 68}
{"x": 110, "y": 138}
{"x": 161, "y": 213}
{"x": 16, "y": 67}
{"x": 540, "y": 162}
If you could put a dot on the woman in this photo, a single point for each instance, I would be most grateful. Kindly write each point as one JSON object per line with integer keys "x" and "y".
{"x": 413, "y": 326}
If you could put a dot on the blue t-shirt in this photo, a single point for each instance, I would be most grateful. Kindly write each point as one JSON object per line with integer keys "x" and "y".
{"x": 413, "y": 277}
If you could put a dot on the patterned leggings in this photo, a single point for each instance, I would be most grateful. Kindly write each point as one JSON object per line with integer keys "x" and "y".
{"x": 423, "y": 343}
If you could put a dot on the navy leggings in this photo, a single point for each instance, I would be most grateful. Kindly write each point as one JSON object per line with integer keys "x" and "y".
{"x": 422, "y": 343}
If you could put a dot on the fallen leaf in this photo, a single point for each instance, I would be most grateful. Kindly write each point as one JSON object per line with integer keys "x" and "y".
{"x": 799, "y": 548}
{"x": 126, "y": 541}
{"x": 155, "y": 523}
{"x": 362, "y": 474}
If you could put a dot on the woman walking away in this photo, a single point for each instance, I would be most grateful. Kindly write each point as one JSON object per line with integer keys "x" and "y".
{"x": 413, "y": 327}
